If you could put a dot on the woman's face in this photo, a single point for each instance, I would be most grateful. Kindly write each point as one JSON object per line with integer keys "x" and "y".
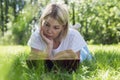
{"x": 51, "y": 28}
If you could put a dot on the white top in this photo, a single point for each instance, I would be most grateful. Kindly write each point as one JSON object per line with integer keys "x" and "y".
{"x": 73, "y": 41}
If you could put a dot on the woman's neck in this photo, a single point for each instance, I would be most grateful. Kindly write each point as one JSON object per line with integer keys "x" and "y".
{"x": 56, "y": 44}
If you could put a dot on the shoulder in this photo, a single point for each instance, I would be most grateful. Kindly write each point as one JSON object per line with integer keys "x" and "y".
{"x": 73, "y": 32}
{"x": 35, "y": 37}
{"x": 72, "y": 35}
{"x": 75, "y": 35}
{"x": 36, "y": 41}
{"x": 35, "y": 34}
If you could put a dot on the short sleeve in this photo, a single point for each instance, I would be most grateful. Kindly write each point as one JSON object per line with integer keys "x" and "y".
{"x": 36, "y": 42}
{"x": 78, "y": 42}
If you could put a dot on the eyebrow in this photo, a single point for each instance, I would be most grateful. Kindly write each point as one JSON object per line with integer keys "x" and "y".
{"x": 50, "y": 24}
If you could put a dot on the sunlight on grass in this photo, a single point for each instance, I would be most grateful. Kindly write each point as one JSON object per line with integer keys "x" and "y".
{"x": 105, "y": 66}
{"x": 5, "y": 64}
{"x": 7, "y": 56}
{"x": 109, "y": 74}
{"x": 114, "y": 48}
{"x": 13, "y": 49}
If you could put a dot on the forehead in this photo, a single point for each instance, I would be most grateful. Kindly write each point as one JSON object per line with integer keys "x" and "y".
{"x": 52, "y": 21}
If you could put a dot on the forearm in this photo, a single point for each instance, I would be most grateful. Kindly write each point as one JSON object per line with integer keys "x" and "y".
{"x": 49, "y": 52}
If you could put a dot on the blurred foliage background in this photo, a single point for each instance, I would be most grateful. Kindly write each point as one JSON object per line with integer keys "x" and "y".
{"x": 99, "y": 19}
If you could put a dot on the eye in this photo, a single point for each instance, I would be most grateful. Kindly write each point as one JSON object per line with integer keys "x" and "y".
{"x": 46, "y": 24}
{"x": 56, "y": 27}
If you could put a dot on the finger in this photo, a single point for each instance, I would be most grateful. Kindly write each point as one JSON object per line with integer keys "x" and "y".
{"x": 43, "y": 36}
{"x": 41, "y": 32}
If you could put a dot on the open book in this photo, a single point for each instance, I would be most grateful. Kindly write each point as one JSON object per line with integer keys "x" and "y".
{"x": 63, "y": 55}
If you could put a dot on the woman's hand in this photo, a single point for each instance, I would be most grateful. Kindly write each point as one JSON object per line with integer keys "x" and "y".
{"x": 48, "y": 41}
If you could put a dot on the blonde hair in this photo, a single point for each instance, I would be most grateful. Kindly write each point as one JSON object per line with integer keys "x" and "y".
{"x": 60, "y": 13}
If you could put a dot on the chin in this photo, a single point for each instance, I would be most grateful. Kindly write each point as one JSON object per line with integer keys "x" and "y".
{"x": 50, "y": 38}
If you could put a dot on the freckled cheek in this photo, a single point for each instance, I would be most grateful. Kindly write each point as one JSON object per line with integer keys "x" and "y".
{"x": 44, "y": 29}
{"x": 57, "y": 33}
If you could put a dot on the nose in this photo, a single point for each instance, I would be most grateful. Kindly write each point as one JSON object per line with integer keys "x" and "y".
{"x": 49, "y": 30}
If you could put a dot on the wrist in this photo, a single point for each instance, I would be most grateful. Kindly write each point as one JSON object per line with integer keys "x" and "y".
{"x": 50, "y": 46}
{"x": 49, "y": 51}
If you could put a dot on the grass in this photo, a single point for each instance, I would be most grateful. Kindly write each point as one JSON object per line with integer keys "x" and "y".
{"x": 104, "y": 66}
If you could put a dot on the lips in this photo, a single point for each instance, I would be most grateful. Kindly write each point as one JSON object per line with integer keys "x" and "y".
{"x": 50, "y": 37}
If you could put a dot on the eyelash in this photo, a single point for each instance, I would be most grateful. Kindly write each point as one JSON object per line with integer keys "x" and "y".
{"x": 47, "y": 25}
{"x": 56, "y": 28}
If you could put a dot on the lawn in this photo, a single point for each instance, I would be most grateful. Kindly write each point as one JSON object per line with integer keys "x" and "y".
{"x": 104, "y": 66}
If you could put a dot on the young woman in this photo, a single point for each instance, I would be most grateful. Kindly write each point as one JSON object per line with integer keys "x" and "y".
{"x": 55, "y": 36}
